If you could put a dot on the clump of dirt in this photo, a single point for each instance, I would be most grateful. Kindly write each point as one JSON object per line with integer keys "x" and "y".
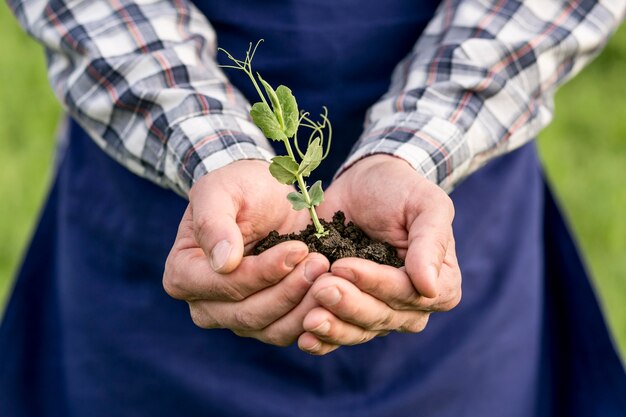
{"x": 343, "y": 240}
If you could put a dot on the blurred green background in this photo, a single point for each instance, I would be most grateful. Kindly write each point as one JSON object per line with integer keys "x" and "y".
{"x": 584, "y": 151}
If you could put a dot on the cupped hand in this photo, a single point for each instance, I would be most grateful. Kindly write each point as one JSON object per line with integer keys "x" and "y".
{"x": 229, "y": 210}
{"x": 360, "y": 299}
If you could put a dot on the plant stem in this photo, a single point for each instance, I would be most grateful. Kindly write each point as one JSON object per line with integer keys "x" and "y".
{"x": 258, "y": 90}
{"x": 316, "y": 221}
{"x": 302, "y": 185}
{"x": 246, "y": 66}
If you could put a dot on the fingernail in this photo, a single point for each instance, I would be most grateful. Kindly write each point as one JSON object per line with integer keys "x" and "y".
{"x": 293, "y": 257}
{"x": 329, "y": 296}
{"x": 219, "y": 254}
{"x": 322, "y": 329}
{"x": 313, "y": 347}
{"x": 312, "y": 270}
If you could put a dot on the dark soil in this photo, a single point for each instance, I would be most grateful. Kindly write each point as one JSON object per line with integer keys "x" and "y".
{"x": 342, "y": 241}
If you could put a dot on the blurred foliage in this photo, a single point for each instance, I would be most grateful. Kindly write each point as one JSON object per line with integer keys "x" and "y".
{"x": 28, "y": 118}
{"x": 584, "y": 151}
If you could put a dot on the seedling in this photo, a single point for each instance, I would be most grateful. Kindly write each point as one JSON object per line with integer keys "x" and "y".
{"x": 280, "y": 122}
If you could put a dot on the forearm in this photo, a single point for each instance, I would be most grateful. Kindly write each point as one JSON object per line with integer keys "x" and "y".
{"x": 480, "y": 82}
{"x": 142, "y": 80}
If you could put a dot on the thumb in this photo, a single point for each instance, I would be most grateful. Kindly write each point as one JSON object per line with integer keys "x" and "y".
{"x": 214, "y": 214}
{"x": 429, "y": 237}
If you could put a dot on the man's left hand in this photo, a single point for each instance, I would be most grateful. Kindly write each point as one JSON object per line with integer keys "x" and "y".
{"x": 360, "y": 299}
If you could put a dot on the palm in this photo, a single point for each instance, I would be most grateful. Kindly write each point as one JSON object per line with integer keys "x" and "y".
{"x": 391, "y": 202}
{"x": 376, "y": 197}
{"x": 258, "y": 200}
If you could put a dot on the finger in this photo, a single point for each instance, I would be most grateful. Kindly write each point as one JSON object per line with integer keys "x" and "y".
{"x": 429, "y": 234}
{"x": 256, "y": 312}
{"x": 265, "y": 307}
{"x": 450, "y": 283}
{"x": 329, "y": 329}
{"x": 352, "y": 305}
{"x": 288, "y": 328}
{"x": 307, "y": 342}
{"x": 394, "y": 287}
{"x": 389, "y": 284}
{"x": 357, "y": 308}
{"x": 188, "y": 275}
{"x": 214, "y": 212}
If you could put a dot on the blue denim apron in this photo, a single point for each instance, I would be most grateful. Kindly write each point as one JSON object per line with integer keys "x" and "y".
{"x": 89, "y": 330}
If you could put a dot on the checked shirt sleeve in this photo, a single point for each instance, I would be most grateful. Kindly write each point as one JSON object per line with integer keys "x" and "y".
{"x": 480, "y": 81}
{"x": 141, "y": 78}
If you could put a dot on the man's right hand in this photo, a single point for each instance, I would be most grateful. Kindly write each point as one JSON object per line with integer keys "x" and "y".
{"x": 229, "y": 210}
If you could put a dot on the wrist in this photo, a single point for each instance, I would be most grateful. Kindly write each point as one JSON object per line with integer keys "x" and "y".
{"x": 376, "y": 160}
{"x": 235, "y": 172}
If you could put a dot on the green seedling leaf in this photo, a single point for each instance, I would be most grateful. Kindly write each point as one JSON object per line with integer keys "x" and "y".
{"x": 316, "y": 193}
{"x": 279, "y": 120}
{"x": 278, "y": 110}
{"x": 297, "y": 200}
{"x": 284, "y": 169}
{"x": 266, "y": 121}
{"x": 312, "y": 158}
{"x": 290, "y": 110}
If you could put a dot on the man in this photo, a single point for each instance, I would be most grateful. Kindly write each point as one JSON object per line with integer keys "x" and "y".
{"x": 142, "y": 80}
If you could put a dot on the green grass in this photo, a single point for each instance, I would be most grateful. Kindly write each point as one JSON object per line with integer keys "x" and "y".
{"x": 28, "y": 116}
{"x": 584, "y": 151}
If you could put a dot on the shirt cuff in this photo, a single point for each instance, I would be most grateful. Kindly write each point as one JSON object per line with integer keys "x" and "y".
{"x": 434, "y": 147}
{"x": 200, "y": 145}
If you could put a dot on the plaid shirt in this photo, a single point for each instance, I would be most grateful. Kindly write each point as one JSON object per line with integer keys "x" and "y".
{"x": 141, "y": 78}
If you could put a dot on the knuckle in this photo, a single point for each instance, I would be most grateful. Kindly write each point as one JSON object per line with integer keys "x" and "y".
{"x": 228, "y": 292}
{"x": 449, "y": 298}
{"x": 289, "y": 298}
{"x": 349, "y": 308}
{"x": 415, "y": 324}
{"x": 363, "y": 338}
{"x": 325, "y": 349}
{"x": 204, "y": 223}
{"x": 241, "y": 333}
{"x": 441, "y": 244}
{"x": 405, "y": 303}
{"x": 272, "y": 337}
{"x": 376, "y": 287}
{"x": 168, "y": 285}
{"x": 203, "y": 226}
{"x": 269, "y": 274}
{"x": 453, "y": 301}
{"x": 384, "y": 322}
{"x": 201, "y": 318}
{"x": 247, "y": 320}
{"x": 172, "y": 282}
